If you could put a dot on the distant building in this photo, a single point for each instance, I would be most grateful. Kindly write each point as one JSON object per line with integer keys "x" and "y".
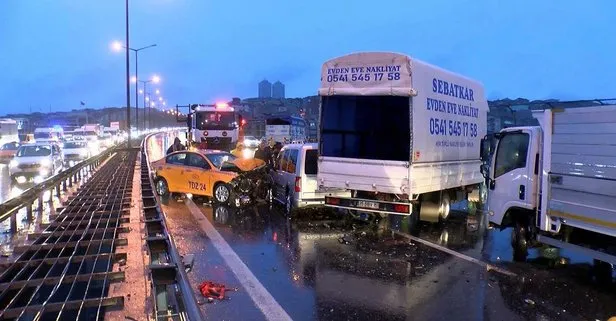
{"x": 278, "y": 90}
{"x": 265, "y": 89}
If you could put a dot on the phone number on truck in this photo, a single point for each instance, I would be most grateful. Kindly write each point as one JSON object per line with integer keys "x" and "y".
{"x": 376, "y": 76}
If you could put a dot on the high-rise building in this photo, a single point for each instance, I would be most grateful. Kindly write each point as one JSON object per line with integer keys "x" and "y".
{"x": 278, "y": 90}
{"x": 265, "y": 89}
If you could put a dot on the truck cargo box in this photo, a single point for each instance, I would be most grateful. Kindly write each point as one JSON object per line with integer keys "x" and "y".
{"x": 580, "y": 159}
{"x": 393, "y": 124}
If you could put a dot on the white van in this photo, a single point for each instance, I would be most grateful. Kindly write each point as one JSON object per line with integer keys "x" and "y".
{"x": 295, "y": 177}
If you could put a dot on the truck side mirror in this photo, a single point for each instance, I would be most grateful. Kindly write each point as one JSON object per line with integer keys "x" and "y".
{"x": 484, "y": 149}
{"x": 484, "y": 170}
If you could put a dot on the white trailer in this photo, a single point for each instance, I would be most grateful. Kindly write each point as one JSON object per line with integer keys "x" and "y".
{"x": 556, "y": 183}
{"x": 402, "y": 135}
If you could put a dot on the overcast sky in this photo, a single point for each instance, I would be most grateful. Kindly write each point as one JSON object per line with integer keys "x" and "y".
{"x": 56, "y": 53}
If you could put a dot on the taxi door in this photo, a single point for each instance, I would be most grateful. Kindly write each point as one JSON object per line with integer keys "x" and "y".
{"x": 172, "y": 170}
{"x": 197, "y": 175}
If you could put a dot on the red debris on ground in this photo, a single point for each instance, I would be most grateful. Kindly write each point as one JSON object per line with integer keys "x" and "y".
{"x": 212, "y": 290}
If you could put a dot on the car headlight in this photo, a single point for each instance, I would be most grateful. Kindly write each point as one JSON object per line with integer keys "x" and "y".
{"x": 45, "y": 162}
{"x": 13, "y": 163}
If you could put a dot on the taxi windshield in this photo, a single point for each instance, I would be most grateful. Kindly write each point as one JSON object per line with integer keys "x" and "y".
{"x": 219, "y": 158}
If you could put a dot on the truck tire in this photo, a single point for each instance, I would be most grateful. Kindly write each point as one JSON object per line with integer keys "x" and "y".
{"x": 519, "y": 242}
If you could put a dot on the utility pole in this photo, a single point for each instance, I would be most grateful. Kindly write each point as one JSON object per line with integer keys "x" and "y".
{"x": 127, "y": 80}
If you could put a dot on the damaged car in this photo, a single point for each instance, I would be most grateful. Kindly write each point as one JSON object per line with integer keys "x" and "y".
{"x": 215, "y": 174}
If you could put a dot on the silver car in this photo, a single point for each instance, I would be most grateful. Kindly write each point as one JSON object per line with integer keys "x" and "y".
{"x": 36, "y": 161}
{"x": 295, "y": 177}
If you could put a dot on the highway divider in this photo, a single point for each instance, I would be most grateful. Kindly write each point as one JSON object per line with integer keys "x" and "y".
{"x": 172, "y": 295}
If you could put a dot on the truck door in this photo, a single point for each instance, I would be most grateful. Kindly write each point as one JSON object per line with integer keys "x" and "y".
{"x": 511, "y": 174}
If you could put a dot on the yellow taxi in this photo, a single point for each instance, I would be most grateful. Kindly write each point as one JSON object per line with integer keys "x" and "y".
{"x": 200, "y": 172}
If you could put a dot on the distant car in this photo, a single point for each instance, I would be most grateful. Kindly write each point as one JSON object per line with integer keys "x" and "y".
{"x": 251, "y": 141}
{"x": 201, "y": 172}
{"x": 295, "y": 177}
{"x": 39, "y": 160}
{"x": 75, "y": 151}
{"x": 8, "y": 151}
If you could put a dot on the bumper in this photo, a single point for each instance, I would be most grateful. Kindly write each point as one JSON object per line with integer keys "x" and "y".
{"x": 366, "y": 205}
{"x": 22, "y": 177}
{"x": 5, "y": 158}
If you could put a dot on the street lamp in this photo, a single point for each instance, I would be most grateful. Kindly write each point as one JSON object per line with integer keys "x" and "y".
{"x": 117, "y": 46}
{"x": 155, "y": 79}
{"x": 157, "y": 92}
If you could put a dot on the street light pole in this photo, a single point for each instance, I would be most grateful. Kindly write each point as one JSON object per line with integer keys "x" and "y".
{"x": 145, "y": 92}
{"x": 136, "y": 89}
{"x": 137, "y": 82}
{"x": 127, "y": 79}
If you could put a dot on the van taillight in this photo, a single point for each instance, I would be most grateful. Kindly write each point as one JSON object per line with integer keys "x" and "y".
{"x": 298, "y": 184}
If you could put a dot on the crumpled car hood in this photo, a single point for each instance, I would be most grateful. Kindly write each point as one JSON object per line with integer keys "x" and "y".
{"x": 247, "y": 165}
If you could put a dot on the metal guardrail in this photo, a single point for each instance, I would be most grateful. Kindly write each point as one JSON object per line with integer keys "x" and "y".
{"x": 172, "y": 295}
{"x": 58, "y": 183}
{"x": 65, "y": 272}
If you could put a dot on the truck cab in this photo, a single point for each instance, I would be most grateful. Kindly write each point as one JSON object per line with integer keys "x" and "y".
{"x": 513, "y": 173}
{"x": 555, "y": 183}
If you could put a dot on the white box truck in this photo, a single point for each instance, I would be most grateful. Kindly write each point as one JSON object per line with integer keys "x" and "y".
{"x": 402, "y": 135}
{"x": 556, "y": 182}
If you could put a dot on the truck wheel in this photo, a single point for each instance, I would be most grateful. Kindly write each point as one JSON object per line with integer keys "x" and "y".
{"x": 445, "y": 207}
{"x": 519, "y": 242}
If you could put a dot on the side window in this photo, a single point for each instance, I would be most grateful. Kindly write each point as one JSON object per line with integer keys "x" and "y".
{"x": 512, "y": 153}
{"x": 292, "y": 163}
{"x": 176, "y": 159}
{"x": 196, "y": 160}
{"x": 283, "y": 157}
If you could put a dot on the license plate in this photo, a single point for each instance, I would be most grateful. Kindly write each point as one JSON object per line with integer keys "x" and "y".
{"x": 366, "y": 204}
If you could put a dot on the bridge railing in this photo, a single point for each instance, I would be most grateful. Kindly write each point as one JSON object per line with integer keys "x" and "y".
{"x": 55, "y": 184}
{"x": 167, "y": 268}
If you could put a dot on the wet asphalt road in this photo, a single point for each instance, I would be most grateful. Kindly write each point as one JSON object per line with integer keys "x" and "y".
{"x": 327, "y": 268}
{"x": 320, "y": 266}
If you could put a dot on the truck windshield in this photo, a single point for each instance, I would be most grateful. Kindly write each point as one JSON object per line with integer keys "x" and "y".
{"x": 511, "y": 154}
{"x": 215, "y": 120}
{"x": 366, "y": 127}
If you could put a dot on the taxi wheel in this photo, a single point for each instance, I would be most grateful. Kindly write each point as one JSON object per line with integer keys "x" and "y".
{"x": 162, "y": 188}
{"x": 222, "y": 193}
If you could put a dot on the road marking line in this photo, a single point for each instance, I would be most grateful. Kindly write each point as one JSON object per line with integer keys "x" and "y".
{"x": 488, "y": 266}
{"x": 270, "y": 308}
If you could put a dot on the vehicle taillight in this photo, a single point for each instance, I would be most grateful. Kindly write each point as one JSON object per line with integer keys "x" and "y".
{"x": 401, "y": 208}
{"x": 298, "y": 184}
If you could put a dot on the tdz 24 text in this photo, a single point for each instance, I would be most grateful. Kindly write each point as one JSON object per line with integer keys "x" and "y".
{"x": 377, "y": 76}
